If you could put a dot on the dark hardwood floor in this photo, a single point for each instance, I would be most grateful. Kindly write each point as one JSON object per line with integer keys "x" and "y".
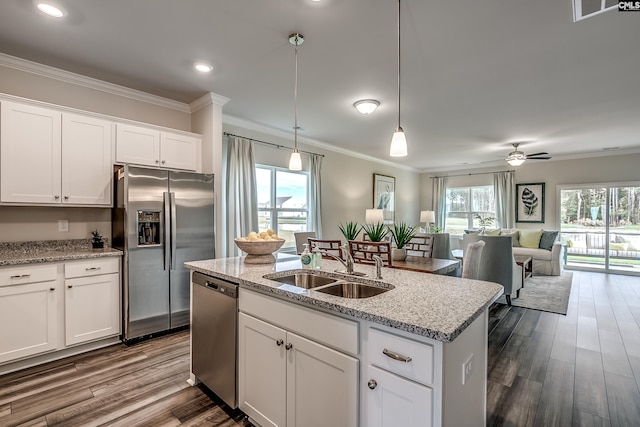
{"x": 545, "y": 369}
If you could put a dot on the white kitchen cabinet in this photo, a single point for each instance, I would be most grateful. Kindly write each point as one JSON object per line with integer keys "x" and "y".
{"x": 50, "y": 157}
{"x": 92, "y": 300}
{"x": 151, "y": 147}
{"x": 288, "y": 380}
{"x": 28, "y": 311}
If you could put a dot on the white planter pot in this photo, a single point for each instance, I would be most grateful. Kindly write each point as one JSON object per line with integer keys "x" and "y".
{"x": 398, "y": 254}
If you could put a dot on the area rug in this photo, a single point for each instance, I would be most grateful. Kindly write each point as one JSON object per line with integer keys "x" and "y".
{"x": 544, "y": 293}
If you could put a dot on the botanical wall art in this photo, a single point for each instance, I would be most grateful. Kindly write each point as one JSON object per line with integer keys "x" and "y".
{"x": 384, "y": 191}
{"x": 530, "y": 202}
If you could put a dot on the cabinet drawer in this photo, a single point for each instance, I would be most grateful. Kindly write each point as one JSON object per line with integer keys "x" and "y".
{"x": 383, "y": 347}
{"x": 91, "y": 267}
{"x": 27, "y": 274}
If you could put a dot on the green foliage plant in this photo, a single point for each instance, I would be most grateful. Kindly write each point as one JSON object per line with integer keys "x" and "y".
{"x": 96, "y": 237}
{"x": 376, "y": 232}
{"x": 350, "y": 230}
{"x": 484, "y": 222}
{"x": 402, "y": 234}
{"x": 435, "y": 229}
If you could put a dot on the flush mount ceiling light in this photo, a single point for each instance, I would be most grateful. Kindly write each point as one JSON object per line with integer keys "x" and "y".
{"x": 399, "y": 140}
{"x": 295, "y": 162}
{"x": 50, "y": 9}
{"x": 366, "y": 106}
{"x": 202, "y": 67}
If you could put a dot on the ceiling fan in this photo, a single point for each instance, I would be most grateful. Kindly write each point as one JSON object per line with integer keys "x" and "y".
{"x": 517, "y": 157}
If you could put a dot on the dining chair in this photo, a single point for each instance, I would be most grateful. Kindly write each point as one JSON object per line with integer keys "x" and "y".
{"x": 302, "y": 238}
{"x": 363, "y": 252}
{"x": 420, "y": 245}
{"x": 329, "y": 246}
{"x": 471, "y": 260}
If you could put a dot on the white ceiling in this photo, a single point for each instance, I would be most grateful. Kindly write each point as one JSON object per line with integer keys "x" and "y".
{"x": 476, "y": 75}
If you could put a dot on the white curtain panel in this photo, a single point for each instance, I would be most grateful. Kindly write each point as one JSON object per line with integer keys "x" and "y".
{"x": 315, "y": 166}
{"x": 439, "y": 199}
{"x": 504, "y": 189}
{"x": 240, "y": 199}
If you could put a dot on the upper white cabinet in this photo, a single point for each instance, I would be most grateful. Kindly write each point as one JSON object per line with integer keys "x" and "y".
{"x": 50, "y": 157}
{"x": 151, "y": 147}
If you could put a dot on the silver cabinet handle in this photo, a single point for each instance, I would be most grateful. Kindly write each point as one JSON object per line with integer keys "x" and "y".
{"x": 289, "y": 346}
{"x": 66, "y": 197}
{"x": 70, "y": 286}
{"x": 92, "y": 268}
{"x": 52, "y": 289}
{"x": 396, "y": 356}
{"x": 372, "y": 384}
{"x": 20, "y": 276}
{"x": 279, "y": 342}
{"x": 56, "y": 197}
{"x": 163, "y": 162}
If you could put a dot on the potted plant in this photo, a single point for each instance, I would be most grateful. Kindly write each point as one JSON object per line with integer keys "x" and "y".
{"x": 350, "y": 230}
{"x": 97, "y": 240}
{"x": 484, "y": 222}
{"x": 435, "y": 229}
{"x": 402, "y": 234}
{"x": 376, "y": 232}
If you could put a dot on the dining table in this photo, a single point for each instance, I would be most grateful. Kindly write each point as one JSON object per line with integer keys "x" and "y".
{"x": 427, "y": 265}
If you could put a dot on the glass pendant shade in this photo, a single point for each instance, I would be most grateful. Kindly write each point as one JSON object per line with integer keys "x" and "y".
{"x": 295, "y": 161}
{"x": 398, "y": 144}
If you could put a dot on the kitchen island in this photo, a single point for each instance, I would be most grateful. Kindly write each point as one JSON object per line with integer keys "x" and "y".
{"x": 414, "y": 355}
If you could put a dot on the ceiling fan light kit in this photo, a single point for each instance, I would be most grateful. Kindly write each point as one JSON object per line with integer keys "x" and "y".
{"x": 295, "y": 162}
{"x": 399, "y": 140}
{"x": 517, "y": 157}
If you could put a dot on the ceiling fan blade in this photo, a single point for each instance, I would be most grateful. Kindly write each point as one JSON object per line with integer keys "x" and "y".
{"x": 539, "y": 158}
{"x": 536, "y": 154}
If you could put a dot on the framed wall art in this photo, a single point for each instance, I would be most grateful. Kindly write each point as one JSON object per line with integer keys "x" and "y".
{"x": 384, "y": 195}
{"x": 530, "y": 202}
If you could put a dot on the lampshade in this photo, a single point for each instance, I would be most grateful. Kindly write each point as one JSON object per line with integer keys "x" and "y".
{"x": 427, "y": 216}
{"x": 398, "y": 144}
{"x": 295, "y": 162}
{"x": 374, "y": 216}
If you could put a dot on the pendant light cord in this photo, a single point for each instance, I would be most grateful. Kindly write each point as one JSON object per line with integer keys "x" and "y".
{"x": 399, "y": 64}
{"x": 295, "y": 101}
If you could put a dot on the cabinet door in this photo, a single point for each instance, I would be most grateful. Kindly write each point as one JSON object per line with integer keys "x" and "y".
{"x": 137, "y": 145}
{"x": 28, "y": 315}
{"x": 322, "y": 385}
{"x": 178, "y": 151}
{"x": 396, "y": 401}
{"x": 262, "y": 371}
{"x": 30, "y": 139}
{"x": 86, "y": 160}
{"x": 92, "y": 308}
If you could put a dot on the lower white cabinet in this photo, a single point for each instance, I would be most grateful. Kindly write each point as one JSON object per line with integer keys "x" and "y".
{"x": 288, "y": 380}
{"x": 28, "y": 311}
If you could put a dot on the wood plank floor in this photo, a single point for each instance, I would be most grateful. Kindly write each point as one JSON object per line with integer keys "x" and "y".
{"x": 545, "y": 369}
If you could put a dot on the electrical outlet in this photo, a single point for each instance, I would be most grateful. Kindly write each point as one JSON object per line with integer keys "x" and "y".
{"x": 467, "y": 369}
{"x": 63, "y": 225}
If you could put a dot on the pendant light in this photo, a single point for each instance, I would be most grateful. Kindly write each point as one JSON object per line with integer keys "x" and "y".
{"x": 295, "y": 162}
{"x": 398, "y": 141}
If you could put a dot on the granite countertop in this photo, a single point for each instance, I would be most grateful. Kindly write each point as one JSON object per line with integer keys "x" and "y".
{"x": 16, "y": 253}
{"x": 431, "y": 305}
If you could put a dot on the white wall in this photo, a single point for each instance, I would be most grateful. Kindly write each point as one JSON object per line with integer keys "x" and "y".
{"x": 347, "y": 181}
{"x": 620, "y": 168}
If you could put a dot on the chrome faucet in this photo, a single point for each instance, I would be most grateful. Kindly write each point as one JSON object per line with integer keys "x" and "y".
{"x": 379, "y": 264}
{"x": 347, "y": 262}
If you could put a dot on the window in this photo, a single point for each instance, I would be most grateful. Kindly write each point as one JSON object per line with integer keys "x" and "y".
{"x": 463, "y": 202}
{"x": 283, "y": 202}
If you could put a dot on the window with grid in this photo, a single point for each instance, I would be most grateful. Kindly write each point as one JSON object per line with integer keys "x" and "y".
{"x": 463, "y": 203}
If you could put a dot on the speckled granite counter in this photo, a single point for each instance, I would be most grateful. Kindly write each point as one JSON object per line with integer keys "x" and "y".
{"x": 51, "y": 250}
{"x": 430, "y": 305}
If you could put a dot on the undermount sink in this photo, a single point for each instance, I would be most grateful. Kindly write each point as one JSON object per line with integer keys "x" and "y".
{"x": 304, "y": 280}
{"x": 352, "y": 290}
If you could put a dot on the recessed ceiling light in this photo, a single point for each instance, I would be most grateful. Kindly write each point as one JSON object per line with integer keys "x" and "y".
{"x": 51, "y": 10}
{"x": 366, "y": 106}
{"x": 202, "y": 67}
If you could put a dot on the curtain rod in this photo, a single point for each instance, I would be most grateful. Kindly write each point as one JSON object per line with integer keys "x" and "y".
{"x": 270, "y": 143}
{"x": 469, "y": 174}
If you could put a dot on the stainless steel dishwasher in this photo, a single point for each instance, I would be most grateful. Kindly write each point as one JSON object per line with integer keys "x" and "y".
{"x": 214, "y": 331}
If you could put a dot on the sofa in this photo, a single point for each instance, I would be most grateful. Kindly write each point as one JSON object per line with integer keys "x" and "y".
{"x": 546, "y": 254}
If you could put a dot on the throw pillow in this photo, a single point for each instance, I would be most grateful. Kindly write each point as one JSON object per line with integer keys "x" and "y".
{"x": 547, "y": 239}
{"x": 530, "y": 238}
{"x": 578, "y": 244}
{"x": 618, "y": 246}
{"x": 515, "y": 237}
{"x": 492, "y": 232}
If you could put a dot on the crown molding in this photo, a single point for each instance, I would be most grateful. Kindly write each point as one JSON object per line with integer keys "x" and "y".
{"x": 209, "y": 98}
{"x": 91, "y": 83}
{"x": 249, "y": 125}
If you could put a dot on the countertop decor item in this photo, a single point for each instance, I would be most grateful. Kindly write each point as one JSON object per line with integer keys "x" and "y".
{"x": 350, "y": 230}
{"x": 259, "y": 252}
{"x": 97, "y": 240}
{"x": 402, "y": 234}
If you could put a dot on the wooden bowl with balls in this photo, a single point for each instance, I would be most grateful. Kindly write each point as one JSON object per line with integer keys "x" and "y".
{"x": 259, "y": 247}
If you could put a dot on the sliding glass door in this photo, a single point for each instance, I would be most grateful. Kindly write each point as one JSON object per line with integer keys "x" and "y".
{"x": 600, "y": 227}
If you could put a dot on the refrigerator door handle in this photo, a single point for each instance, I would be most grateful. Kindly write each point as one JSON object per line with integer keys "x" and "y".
{"x": 174, "y": 248}
{"x": 167, "y": 230}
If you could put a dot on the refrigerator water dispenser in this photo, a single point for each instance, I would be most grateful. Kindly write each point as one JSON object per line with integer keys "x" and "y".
{"x": 148, "y": 228}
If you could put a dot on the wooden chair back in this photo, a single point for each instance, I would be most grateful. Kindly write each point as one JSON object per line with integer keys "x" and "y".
{"x": 420, "y": 246}
{"x": 329, "y": 246}
{"x": 363, "y": 252}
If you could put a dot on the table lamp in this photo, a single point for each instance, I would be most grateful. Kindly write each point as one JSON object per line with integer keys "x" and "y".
{"x": 428, "y": 217}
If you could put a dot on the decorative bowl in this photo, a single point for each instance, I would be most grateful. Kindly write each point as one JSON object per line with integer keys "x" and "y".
{"x": 259, "y": 252}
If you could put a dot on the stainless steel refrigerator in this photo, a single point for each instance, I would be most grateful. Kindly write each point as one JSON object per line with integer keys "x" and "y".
{"x": 160, "y": 220}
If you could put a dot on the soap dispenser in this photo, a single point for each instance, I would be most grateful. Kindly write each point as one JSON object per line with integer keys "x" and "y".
{"x": 305, "y": 257}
